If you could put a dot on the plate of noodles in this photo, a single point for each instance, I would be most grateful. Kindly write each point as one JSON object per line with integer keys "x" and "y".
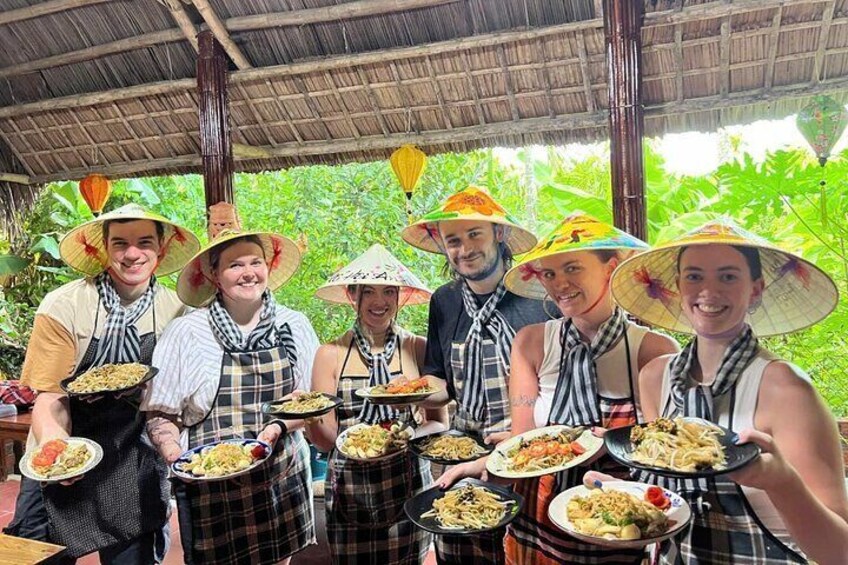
{"x": 543, "y": 451}
{"x": 401, "y": 390}
{"x": 679, "y": 447}
{"x": 221, "y": 460}
{"x": 621, "y": 514}
{"x": 109, "y": 378}
{"x": 61, "y": 459}
{"x": 307, "y": 405}
{"x": 449, "y": 448}
{"x": 364, "y": 442}
{"x": 469, "y": 507}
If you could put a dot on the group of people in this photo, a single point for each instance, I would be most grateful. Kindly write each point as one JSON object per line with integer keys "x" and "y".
{"x": 516, "y": 345}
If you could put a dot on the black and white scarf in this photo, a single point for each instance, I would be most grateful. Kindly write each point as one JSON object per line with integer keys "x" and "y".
{"x": 120, "y": 341}
{"x": 692, "y": 399}
{"x": 576, "y": 400}
{"x": 378, "y": 372}
{"x": 487, "y": 318}
{"x": 266, "y": 334}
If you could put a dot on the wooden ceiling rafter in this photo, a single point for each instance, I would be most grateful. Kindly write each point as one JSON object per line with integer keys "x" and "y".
{"x": 219, "y": 30}
{"x": 184, "y": 22}
{"x": 773, "y": 44}
{"x": 818, "y": 62}
{"x": 44, "y": 9}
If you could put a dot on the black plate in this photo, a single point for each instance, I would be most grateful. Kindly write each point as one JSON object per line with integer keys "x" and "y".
{"x": 423, "y": 503}
{"x": 266, "y": 409}
{"x": 151, "y": 372}
{"x": 416, "y": 446}
{"x": 618, "y": 445}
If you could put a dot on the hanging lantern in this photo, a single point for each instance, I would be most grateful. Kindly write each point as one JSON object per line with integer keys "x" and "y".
{"x": 821, "y": 123}
{"x": 95, "y": 189}
{"x": 408, "y": 164}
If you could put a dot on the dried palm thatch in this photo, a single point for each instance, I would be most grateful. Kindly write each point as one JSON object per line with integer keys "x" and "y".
{"x": 329, "y": 81}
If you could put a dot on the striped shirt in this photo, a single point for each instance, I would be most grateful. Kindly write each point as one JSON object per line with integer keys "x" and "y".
{"x": 189, "y": 360}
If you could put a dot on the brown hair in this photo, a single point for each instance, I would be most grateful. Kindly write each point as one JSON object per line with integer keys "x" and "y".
{"x": 215, "y": 252}
{"x": 751, "y": 255}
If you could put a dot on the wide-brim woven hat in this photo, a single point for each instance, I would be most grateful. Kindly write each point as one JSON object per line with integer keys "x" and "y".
{"x": 797, "y": 293}
{"x": 83, "y": 247}
{"x": 472, "y": 203}
{"x": 375, "y": 267}
{"x": 577, "y": 232}
{"x": 196, "y": 283}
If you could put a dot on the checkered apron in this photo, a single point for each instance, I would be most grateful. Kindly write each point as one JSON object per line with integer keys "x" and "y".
{"x": 266, "y": 515}
{"x": 486, "y": 548}
{"x": 532, "y": 539}
{"x": 127, "y": 494}
{"x": 725, "y": 529}
{"x": 364, "y": 501}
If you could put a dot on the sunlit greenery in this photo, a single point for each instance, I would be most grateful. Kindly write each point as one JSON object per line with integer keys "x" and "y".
{"x": 342, "y": 210}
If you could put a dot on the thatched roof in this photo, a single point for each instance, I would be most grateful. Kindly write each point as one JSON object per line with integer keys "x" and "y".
{"x": 108, "y": 85}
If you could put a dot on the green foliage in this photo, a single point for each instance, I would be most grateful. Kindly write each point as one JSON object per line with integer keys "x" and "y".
{"x": 343, "y": 210}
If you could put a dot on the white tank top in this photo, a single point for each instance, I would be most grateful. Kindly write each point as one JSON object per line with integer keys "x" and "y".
{"x": 611, "y": 366}
{"x": 744, "y": 409}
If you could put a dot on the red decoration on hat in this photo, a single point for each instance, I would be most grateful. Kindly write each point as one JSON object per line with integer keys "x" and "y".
{"x": 796, "y": 268}
{"x": 88, "y": 248}
{"x": 528, "y": 272}
{"x": 277, "y": 253}
{"x": 653, "y": 287}
{"x": 198, "y": 277}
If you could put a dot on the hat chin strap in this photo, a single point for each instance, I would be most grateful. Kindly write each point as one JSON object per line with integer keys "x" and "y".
{"x": 598, "y": 301}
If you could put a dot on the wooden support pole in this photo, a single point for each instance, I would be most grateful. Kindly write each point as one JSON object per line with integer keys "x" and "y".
{"x": 623, "y": 31}
{"x": 215, "y": 144}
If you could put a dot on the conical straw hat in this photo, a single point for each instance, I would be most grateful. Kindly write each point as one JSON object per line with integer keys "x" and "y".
{"x": 375, "y": 267}
{"x": 797, "y": 293}
{"x": 83, "y": 247}
{"x": 196, "y": 286}
{"x": 472, "y": 203}
{"x": 577, "y": 232}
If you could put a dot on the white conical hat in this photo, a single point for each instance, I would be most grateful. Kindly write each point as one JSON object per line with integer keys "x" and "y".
{"x": 375, "y": 267}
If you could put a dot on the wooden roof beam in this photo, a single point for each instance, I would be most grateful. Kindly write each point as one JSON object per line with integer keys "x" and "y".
{"x": 219, "y": 30}
{"x": 183, "y": 22}
{"x": 15, "y": 178}
{"x": 584, "y": 70}
{"x": 818, "y": 66}
{"x": 724, "y": 54}
{"x": 44, "y": 9}
{"x": 774, "y": 40}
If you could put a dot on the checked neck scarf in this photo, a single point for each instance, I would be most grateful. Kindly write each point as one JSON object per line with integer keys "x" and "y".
{"x": 692, "y": 399}
{"x": 488, "y": 319}
{"x": 120, "y": 341}
{"x": 378, "y": 372}
{"x": 576, "y": 398}
{"x": 266, "y": 334}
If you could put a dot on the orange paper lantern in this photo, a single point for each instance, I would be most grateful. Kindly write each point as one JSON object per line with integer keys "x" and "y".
{"x": 95, "y": 189}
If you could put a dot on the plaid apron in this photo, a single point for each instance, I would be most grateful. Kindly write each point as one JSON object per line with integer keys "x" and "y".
{"x": 364, "y": 501}
{"x": 725, "y": 529}
{"x": 266, "y": 515}
{"x": 485, "y": 548}
{"x": 532, "y": 539}
{"x": 127, "y": 494}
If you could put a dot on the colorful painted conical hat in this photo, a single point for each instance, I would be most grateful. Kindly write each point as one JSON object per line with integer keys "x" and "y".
{"x": 577, "y": 232}
{"x": 797, "y": 293}
{"x": 83, "y": 247}
{"x": 472, "y": 203}
{"x": 196, "y": 286}
{"x": 375, "y": 267}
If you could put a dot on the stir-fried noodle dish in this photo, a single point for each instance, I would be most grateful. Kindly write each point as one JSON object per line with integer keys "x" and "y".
{"x": 108, "y": 377}
{"x": 403, "y": 385}
{"x": 368, "y": 442}
{"x": 57, "y": 457}
{"x": 452, "y": 448}
{"x": 223, "y": 459}
{"x": 679, "y": 445}
{"x": 469, "y": 508}
{"x": 616, "y": 515}
{"x": 307, "y": 402}
{"x": 545, "y": 451}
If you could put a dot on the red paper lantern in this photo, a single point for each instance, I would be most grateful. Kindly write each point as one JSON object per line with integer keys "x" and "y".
{"x": 95, "y": 189}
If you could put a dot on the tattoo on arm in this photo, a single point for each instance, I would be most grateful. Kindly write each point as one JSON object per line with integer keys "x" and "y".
{"x": 522, "y": 400}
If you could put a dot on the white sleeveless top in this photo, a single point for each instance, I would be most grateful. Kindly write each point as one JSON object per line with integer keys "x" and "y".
{"x": 610, "y": 367}
{"x": 744, "y": 408}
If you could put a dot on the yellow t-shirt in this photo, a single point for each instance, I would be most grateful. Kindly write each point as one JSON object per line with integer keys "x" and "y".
{"x": 65, "y": 325}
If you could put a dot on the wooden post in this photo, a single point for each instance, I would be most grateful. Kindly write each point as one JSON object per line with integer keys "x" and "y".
{"x": 215, "y": 144}
{"x": 623, "y": 28}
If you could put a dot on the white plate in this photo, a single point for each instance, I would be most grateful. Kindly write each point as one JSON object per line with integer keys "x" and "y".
{"x": 678, "y": 514}
{"x": 94, "y": 450}
{"x": 343, "y": 436}
{"x": 389, "y": 399}
{"x": 176, "y": 466}
{"x": 497, "y": 462}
